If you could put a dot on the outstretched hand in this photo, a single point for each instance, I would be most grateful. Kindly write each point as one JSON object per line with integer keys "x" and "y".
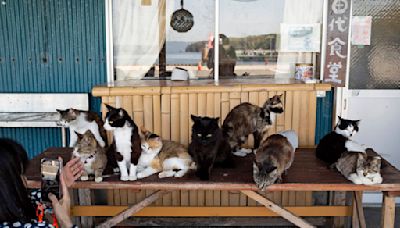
{"x": 62, "y": 207}
{"x": 72, "y": 171}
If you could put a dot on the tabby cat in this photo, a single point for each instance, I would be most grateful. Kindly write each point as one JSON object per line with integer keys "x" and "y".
{"x": 126, "y": 143}
{"x": 360, "y": 168}
{"x": 169, "y": 158}
{"x": 91, "y": 154}
{"x": 208, "y": 146}
{"x": 334, "y": 144}
{"x": 274, "y": 156}
{"x": 246, "y": 119}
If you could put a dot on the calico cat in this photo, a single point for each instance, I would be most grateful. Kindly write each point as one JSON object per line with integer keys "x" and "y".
{"x": 80, "y": 121}
{"x": 126, "y": 143}
{"x": 92, "y": 156}
{"x": 246, "y": 119}
{"x": 360, "y": 168}
{"x": 334, "y": 144}
{"x": 172, "y": 158}
{"x": 208, "y": 146}
{"x": 274, "y": 156}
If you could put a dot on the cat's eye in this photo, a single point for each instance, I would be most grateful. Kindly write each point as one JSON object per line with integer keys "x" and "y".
{"x": 198, "y": 135}
{"x": 209, "y": 136}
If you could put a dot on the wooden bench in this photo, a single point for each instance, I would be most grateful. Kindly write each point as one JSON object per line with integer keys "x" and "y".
{"x": 38, "y": 109}
{"x": 306, "y": 174}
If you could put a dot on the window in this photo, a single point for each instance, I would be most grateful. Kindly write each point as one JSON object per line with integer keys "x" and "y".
{"x": 257, "y": 38}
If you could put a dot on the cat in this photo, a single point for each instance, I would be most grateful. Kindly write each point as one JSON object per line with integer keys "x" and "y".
{"x": 168, "y": 158}
{"x": 80, "y": 121}
{"x": 245, "y": 119}
{"x": 360, "y": 168}
{"x": 334, "y": 144}
{"x": 274, "y": 156}
{"x": 91, "y": 154}
{"x": 208, "y": 146}
{"x": 126, "y": 143}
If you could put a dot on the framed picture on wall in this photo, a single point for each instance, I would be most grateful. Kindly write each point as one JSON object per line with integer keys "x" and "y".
{"x": 300, "y": 37}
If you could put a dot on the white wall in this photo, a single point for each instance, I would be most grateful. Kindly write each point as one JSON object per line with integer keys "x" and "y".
{"x": 379, "y": 111}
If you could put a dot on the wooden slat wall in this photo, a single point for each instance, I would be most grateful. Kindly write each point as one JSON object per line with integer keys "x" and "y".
{"x": 167, "y": 111}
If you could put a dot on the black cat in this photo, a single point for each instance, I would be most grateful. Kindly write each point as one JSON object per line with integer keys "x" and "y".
{"x": 208, "y": 147}
{"x": 334, "y": 144}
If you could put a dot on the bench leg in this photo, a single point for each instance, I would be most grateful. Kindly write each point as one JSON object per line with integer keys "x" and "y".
{"x": 388, "y": 210}
{"x": 131, "y": 210}
{"x": 358, "y": 219}
{"x": 64, "y": 137}
{"x": 277, "y": 209}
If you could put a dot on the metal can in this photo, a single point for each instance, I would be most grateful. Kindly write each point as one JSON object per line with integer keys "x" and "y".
{"x": 304, "y": 71}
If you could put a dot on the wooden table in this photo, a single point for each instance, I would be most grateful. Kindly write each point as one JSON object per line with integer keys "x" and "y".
{"x": 306, "y": 174}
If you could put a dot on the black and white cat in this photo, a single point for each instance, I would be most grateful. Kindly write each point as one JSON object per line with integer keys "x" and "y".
{"x": 334, "y": 144}
{"x": 126, "y": 143}
{"x": 79, "y": 121}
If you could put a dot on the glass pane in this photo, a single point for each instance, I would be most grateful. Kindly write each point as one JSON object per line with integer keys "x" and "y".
{"x": 188, "y": 50}
{"x": 267, "y": 38}
{"x": 376, "y": 66}
{"x": 146, "y": 45}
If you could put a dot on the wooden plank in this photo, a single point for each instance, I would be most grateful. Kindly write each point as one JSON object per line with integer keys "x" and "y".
{"x": 234, "y": 197}
{"x": 312, "y": 117}
{"x": 242, "y": 199}
{"x": 201, "y": 198}
{"x": 131, "y": 197}
{"x": 339, "y": 198}
{"x": 167, "y": 199}
{"x": 164, "y": 211}
{"x": 217, "y": 198}
{"x": 123, "y": 193}
{"x": 253, "y": 98}
{"x": 131, "y": 210}
{"x": 85, "y": 198}
{"x": 117, "y": 197}
{"x": 157, "y": 114}
{"x": 217, "y": 106}
{"x": 209, "y": 198}
{"x": 272, "y": 130}
{"x": 192, "y": 110}
{"x": 185, "y": 198}
{"x": 296, "y": 113}
{"x": 176, "y": 198}
{"x": 127, "y": 104}
{"x": 193, "y": 197}
{"x": 138, "y": 115}
{"x": 234, "y": 99}
{"x": 244, "y": 97}
{"x": 148, "y": 112}
{"x": 277, "y": 209}
{"x": 288, "y": 109}
{"x": 224, "y": 105}
{"x": 166, "y": 117}
{"x": 224, "y": 198}
{"x": 202, "y": 104}
{"x": 184, "y": 117}
{"x": 388, "y": 210}
{"x": 303, "y": 121}
{"x": 175, "y": 118}
{"x": 358, "y": 218}
{"x": 285, "y": 198}
{"x": 209, "y": 194}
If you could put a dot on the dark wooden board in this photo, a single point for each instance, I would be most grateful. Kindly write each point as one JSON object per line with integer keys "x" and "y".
{"x": 306, "y": 174}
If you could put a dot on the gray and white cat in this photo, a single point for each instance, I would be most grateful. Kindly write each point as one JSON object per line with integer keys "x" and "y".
{"x": 246, "y": 119}
{"x": 360, "y": 168}
{"x": 274, "y": 156}
{"x": 92, "y": 155}
{"x": 80, "y": 121}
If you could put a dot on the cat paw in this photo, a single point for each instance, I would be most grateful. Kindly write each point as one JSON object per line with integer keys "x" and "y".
{"x": 239, "y": 153}
{"x": 124, "y": 178}
{"x": 140, "y": 175}
{"x": 162, "y": 175}
{"x": 132, "y": 178}
{"x": 116, "y": 170}
{"x": 179, "y": 174}
{"x": 84, "y": 178}
{"x": 98, "y": 179}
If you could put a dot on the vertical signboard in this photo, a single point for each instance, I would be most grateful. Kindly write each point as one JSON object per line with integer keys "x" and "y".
{"x": 337, "y": 42}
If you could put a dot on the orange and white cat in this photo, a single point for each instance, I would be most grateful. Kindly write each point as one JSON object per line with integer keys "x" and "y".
{"x": 168, "y": 158}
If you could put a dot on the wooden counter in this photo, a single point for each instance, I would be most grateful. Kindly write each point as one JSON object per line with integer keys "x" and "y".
{"x": 165, "y": 106}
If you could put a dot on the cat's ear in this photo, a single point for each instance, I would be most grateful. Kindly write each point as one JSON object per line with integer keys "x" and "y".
{"x": 357, "y": 122}
{"x": 194, "y": 118}
{"x": 216, "y": 120}
{"x": 87, "y": 132}
{"x": 60, "y": 111}
{"x": 80, "y": 136}
{"x": 143, "y": 131}
{"x": 109, "y": 107}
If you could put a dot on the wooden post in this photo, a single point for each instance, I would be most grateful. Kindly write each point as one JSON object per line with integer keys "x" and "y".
{"x": 85, "y": 198}
{"x": 388, "y": 210}
{"x": 277, "y": 209}
{"x": 131, "y": 210}
{"x": 358, "y": 218}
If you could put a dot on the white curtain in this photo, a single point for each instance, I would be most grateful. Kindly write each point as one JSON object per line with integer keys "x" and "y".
{"x": 136, "y": 37}
{"x": 298, "y": 12}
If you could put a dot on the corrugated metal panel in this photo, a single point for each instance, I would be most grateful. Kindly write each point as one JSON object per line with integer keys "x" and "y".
{"x": 324, "y": 116}
{"x": 50, "y": 46}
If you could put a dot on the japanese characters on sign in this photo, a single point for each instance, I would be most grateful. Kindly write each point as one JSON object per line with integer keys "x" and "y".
{"x": 337, "y": 42}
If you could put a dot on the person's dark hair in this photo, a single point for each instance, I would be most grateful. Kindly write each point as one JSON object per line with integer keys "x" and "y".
{"x": 15, "y": 204}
